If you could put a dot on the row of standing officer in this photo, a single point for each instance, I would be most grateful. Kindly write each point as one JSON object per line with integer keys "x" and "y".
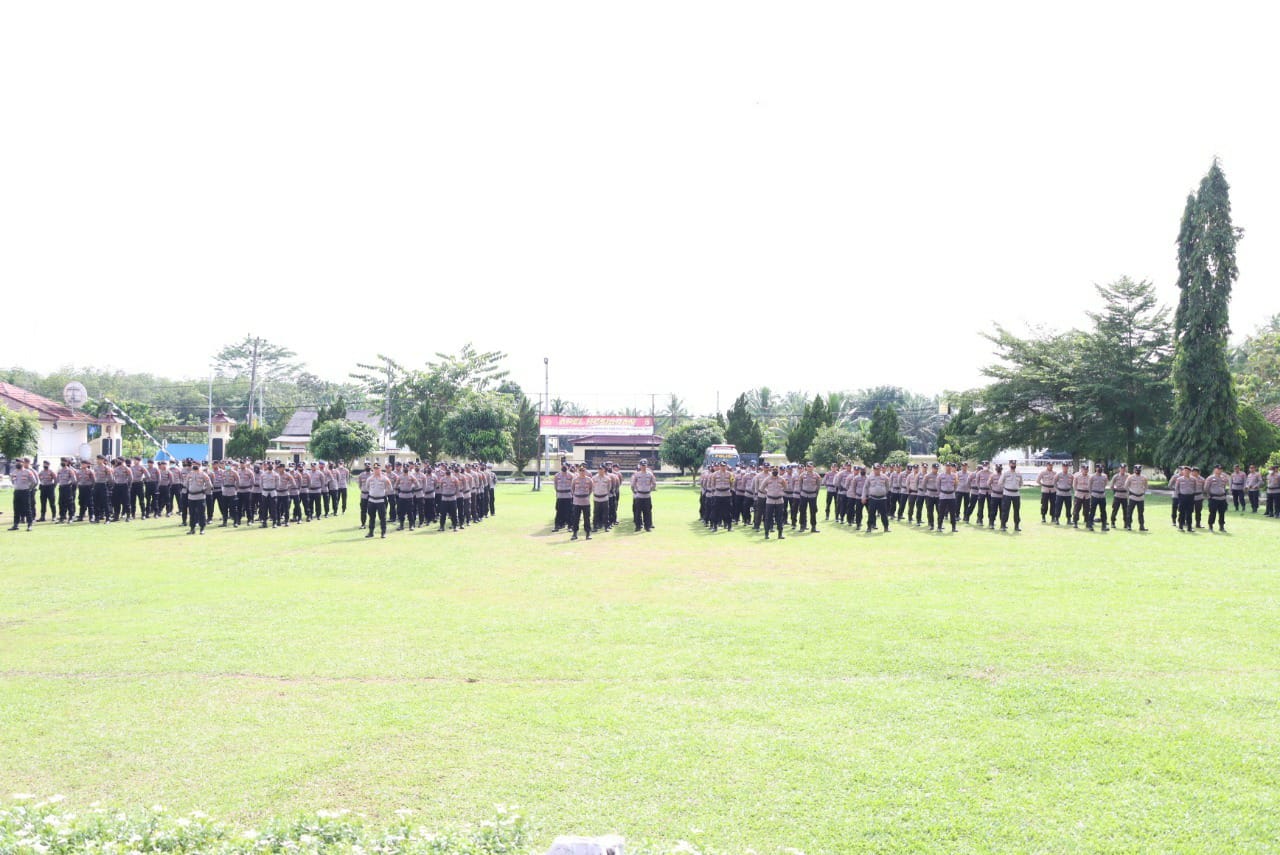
{"x": 589, "y": 501}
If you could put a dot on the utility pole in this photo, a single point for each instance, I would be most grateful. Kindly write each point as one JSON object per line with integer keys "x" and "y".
{"x": 253, "y": 379}
{"x": 386, "y": 410}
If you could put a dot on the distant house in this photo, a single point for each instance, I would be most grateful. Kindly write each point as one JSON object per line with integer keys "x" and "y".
{"x": 64, "y": 432}
{"x": 293, "y": 444}
{"x": 1273, "y": 415}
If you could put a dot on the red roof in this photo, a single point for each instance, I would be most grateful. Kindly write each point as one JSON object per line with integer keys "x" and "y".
{"x": 17, "y": 398}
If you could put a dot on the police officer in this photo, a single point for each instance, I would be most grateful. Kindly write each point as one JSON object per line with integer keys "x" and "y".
{"x": 380, "y": 488}
{"x": 580, "y": 495}
{"x": 809, "y": 484}
{"x": 564, "y": 499}
{"x": 1184, "y": 496}
{"x": 995, "y": 495}
{"x": 1120, "y": 495}
{"x": 775, "y": 509}
{"x": 1046, "y": 479}
{"x": 1011, "y": 497}
{"x": 643, "y": 483}
{"x": 947, "y": 482}
{"x": 1098, "y": 496}
{"x": 199, "y": 486}
{"x": 1216, "y": 487}
{"x": 1252, "y": 485}
{"x": 1237, "y": 488}
{"x": 1273, "y": 492}
{"x": 1062, "y": 484}
{"x": 47, "y": 479}
{"x": 66, "y": 479}
{"x": 1136, "y": 487}
{"x": 875, "y": 496}
{"x": 24, "y": 483}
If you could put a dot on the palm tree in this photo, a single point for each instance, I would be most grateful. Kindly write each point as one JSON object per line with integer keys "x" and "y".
{"x": 674, "y": 412}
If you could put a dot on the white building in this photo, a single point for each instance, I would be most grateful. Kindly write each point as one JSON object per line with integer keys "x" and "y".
{"x": 64, "y": 432}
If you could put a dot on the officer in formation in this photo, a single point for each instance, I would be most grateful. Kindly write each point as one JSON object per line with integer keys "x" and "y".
{"x": 421, "y": 495}
{"x": 588, "y": 501}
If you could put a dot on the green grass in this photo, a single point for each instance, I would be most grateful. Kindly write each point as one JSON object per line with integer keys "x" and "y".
{"x": 1056, "y": 690}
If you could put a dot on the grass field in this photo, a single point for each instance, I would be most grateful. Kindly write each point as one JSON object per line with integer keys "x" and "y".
{"x": 1056, "y": 690}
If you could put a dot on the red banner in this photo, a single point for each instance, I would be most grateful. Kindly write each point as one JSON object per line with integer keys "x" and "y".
{"x": 596, "y": 425}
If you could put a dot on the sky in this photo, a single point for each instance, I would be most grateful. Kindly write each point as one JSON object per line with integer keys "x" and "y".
{"x": 657, "y": 198}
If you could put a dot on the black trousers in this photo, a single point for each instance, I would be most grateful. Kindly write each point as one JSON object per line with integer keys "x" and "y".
{"x": 578, "y": 514}
{"x": 267, "y": 508}
{"x": 564, "y": 506}
{"x": 378, "y": 513}
{"x": 1273, "y": 501}
{"x": 22, "y": 507}
{"x": 1118, "y": 503}
{"x": 979, "y": 504}
{"x": 1098, "y": 504}
{"x": 1046, "y": 504}
{"x": 809, "y": 512}
{"x": 66, "y": 502}
{"x": 758, "y": 511}
{"x": 1237, "y": 500}
{"x": 47, "y": 500}
{"x": 946, "y": 511}
{"x": 85, "y": 496}
{"x": 1061, "y": 503}
{"x": 774, "y": 515}
{"x": 148, "y": 499}
{"x": 642, "y": 512}
{"x": 1078, "y": 507}
{"x": 878, "y": 507}
{"x": 1014, "y": 504}
{"x": 600, "y": 510}
{"x": 1253, "y": 500}
{"x": 164, "y": 500}
{"x": 408, "y": 510}
{"x": 282, "y": 510}
{"x": 119, "y": 501}
{"x": 196, "y": 508}
{"x": 102, "y": 501}
{"x": 1139, "y": 506}
{"x": 448, "y": 510}
{"x": 1218, "y": 509}
{"x": 994, "y": 503}
{"x": 1185, "y": 507}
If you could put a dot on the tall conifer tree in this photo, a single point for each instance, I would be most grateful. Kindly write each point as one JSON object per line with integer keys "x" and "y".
{"x": 1205, "y": 428}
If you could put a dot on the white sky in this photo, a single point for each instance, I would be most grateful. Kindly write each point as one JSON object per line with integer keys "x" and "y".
{"x": 659, "y": 197}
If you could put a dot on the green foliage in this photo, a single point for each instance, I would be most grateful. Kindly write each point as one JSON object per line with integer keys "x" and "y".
{"x": 1123, "y": 373}
{"x": 833, "y": 444}
{"x": 1259, "y": 438}
{"x": 1255, "y": 365}
{"x": 250, "y": 441}
{"x": 897, "y": 458}
{"x": 947, "y": 454}
{"x": 263, "y": 364}
{"x": 685, "y": 446}
{"x": 1032, "y": 401}
{"x": 1204, "y": 427}
{"x": 961, "y": 433}
{"x": 1274, "y": 459}
{"x": 742, "y": 429}
{"x": 342, "y": 440}
{"x": 524, "y": 434}
{"x": 336, "y": 410}
{"x": 479, "y": 429}
{"x": 19, "y": 433}
{"x": 816, "y": 415}
{"x": 885, "y": 433}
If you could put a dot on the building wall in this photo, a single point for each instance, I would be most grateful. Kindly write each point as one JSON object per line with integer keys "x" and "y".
{"x": 68, "y": 439}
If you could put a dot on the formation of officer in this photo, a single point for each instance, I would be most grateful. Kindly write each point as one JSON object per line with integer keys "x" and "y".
{"x": 587, "y": 501}
{"x": 420, "y": 495}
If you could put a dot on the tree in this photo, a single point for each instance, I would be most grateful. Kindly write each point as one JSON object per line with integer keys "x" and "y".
{"x": 1033, "y": 401}
{"x": 342, "y": 440}
{"x": 884, "y": 433}
{"x": 1205, "y": 425}
{"x": 336, "y": 410}
{"x": 675, "y": 412}
{"x": 258, "y": 359}
{"x": 800, "y": 437}
{"x": 479, "y": 429}
{"x": 835, "y": 444}
{"x": 897, "y": 458}
{"x": 961, "y": 433}
{"x": 249, "y": 441}
{"x": 19, "y": 433}
{"x": 1255, "y": 364}
{"x": 1124, "y": 372}
{"x": 685, "y": 446}
{"x": 1259, "y": 437}
{"x": 524, "y": 433}
{"x": 742, "y": 429}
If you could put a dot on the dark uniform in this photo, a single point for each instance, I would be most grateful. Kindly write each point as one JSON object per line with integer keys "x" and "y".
{"x": 643, "y": 483}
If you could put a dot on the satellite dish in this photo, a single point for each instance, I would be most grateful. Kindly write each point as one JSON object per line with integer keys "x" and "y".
{"x": 75, "y": 394}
